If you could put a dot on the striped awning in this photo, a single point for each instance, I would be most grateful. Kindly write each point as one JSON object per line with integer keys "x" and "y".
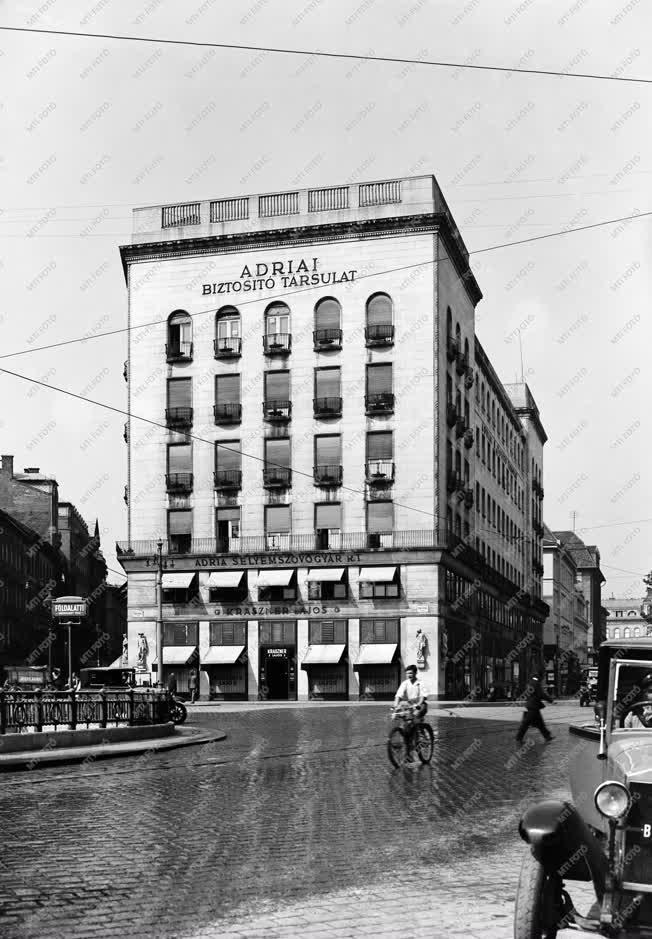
{"x": 377, "y": 575}
{"x": 376, "y": 653}
{"x": 328, "y": 653}
{"x": 225, "y": 579}
{"x": 323, "y": 574}
{"x": 177, "y": 581}
{"x": 222, "y": 655}
{"x": 278, "y": 578}
{"x": 178, "y": 655}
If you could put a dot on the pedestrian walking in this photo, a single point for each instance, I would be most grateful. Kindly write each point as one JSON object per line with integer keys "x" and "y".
{"x": 172, "y": 683}
{"x": 534, "y": 703}
{"x": 192, "y": 686}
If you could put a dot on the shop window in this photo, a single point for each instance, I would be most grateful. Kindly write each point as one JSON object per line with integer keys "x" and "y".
{"x": 323, "y": 632}
{"x": 278, "y": 633}
{"x": 228, "y": 633}
{"x": 381, "y": 590}
{"x": 180, "y": 634}
{"x": 233, "y": 593}
{"x": 329, "y": 589}
{"x": 275, "y": 593}
{"x": 379, "y": 630}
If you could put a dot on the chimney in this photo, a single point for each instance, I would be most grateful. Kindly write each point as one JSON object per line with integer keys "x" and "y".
{"x": 32, "y": 469}
{"x": 7, "y": 464}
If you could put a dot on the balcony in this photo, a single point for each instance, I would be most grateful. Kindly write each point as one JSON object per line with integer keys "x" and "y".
{"x": 277, "y": 343}
{"x": 227, "y": 480}
{"x": 227, "y": 413}
{"x": 327, "y": 340}
{"x": 451, "y": 414}
{"x": 452, "y": 349}
{"x": 277, "y": 410}
{"x": 468, "y": 498}
{"x": 381, "y": 402}
{"x": 125, "y": 432}
{"x": 469, "y": 378}
{"x": 462, "y": 363}
{"x": 230, "y": 348}
{"x": 328, "y": 475}
{"x": 277, "y": 477}
{"x": 451, "y": 481}
{"x": 125, "y": 370}
{"x": 178, "y": 417}
{"x": 461, "y": 427}
{"x": 327, "y": 407}
{"x": 379, "y": 335}
{"x": 179, "y": 482}
{"x": 380, "y": 472}
{"x": 468, "y": 438}
{"x": 178, "y": 352}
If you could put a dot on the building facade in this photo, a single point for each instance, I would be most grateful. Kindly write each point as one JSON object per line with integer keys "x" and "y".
{"x": 336, "y": 483}
{"x": 625, "y": 619}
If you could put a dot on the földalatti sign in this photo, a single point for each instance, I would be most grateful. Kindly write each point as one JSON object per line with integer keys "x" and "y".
{"x": 65, "y": 607}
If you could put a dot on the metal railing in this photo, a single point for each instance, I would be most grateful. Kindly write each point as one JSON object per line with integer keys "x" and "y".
{"x": 25, "y": 711}
{"x": 328, "y": 474}
{"x": 277, "y": 409}
{"x": 379, "y": 471}
{"x": 178, "y": 482}
{"x": 230, "y": 348}
{"x": 227, "y": 479}
{"x": 277, "y": 476}
{"x": 325, "y": 200}
{"x": 381, "y": 335}
{"x": 327, "y": 407}
{"x": 178, "y": 352}
{"x": 327, "y": 338}
{"x": 228, "y": 413}
{"x": 277, "y": 343}
{"x": 380, "y": 402}
{"x": 175, "y": 215}
{"x": 178, "y": 417}
{"x": 229, "y": 210}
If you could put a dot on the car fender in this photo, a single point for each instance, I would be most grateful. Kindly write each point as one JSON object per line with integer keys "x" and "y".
{"x": 564, "y": 844}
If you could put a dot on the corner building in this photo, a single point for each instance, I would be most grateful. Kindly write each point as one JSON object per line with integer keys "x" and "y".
{"x": 339, "y": 484}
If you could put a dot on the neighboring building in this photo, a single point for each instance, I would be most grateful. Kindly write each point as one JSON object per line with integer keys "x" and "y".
{"x": 31, "y": 497}
{"x": 31, "y": 570}
{"x": 587, "y": 561}
{"x": 624, "y": 619}
{"x": 342, "y": 484}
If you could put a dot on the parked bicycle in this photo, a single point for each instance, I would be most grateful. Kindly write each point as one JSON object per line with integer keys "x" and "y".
{"x": 409, "y": 734}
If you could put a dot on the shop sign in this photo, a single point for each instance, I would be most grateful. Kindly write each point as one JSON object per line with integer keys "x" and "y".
{"x": 65, "y": 607}
{"x": 210, "y": 561}
{"x": 254, "y": 610}
{"x": 277, "y": 653}
{"x": 268, "y": 275}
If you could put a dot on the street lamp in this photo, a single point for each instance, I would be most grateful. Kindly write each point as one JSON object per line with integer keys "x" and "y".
{"x": 159, "y": 612}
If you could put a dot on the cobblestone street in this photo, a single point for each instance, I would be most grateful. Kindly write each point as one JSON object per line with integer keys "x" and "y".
{"x": 296, "y": 825}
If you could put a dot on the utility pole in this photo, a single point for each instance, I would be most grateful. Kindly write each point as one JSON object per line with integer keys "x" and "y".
{"x": 574, "y": 516}
{"x": 159, "y": 613}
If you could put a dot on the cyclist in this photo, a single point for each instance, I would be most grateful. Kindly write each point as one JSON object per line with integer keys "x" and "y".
{"x": 409, "y": 691}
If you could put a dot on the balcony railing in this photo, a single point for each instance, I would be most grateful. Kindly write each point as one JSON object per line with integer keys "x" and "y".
{"x": 379, "y": 335}
{"x": 277, "y": 477}
{"x": 451, "y": 414}
{"x": 452, "y": 349}
{"x": 469, "y": 378}
{"x": 468, "y": 438}
{"x": 25, "y": 711}
{"x": 328, "y": 474}
{"x": 462, "y": 363}
{"x": 178, "y": 417}
{"x": 277, "y": 410}
{"x": 381, "y": 402}
{"x": 179, "y": 482}
{"x": 461, "y": 427}
{"x": 327, "y": 407}
{"x": 227, "y": 348}
{"x": 327, "y": 339}
{"x": 380, "y": 472}
{"x": 175, "y": 215}
{"x": 227, "y": 479}
{"x": 227, "y": 413}
{"x": 277, "y": 343}
{"x": 179, "y": 352}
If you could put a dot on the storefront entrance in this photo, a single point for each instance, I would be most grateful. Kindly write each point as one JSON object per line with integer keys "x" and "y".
{"x": 278, "y": 673}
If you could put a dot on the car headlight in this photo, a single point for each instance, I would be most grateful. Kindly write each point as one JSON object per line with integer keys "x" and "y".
{"x": 612, "y": 800}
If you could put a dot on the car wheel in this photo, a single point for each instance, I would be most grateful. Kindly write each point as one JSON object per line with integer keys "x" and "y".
{"x": 539, "y": 903}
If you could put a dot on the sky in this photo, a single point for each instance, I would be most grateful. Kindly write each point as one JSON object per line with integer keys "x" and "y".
{"x": 93, "y": 127}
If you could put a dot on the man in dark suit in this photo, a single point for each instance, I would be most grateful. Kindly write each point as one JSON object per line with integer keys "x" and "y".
{"x": 534, "y": 698}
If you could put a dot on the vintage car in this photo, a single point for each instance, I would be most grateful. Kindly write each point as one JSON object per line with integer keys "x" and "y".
{"x": 604, "y": 835}
{"x": 107, "y": 677}
{"x": 23, "y": 677}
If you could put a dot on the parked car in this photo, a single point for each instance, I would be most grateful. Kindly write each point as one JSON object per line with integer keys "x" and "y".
{"x": 23, "y": 677}
{"x": 107, "y": 677}
{"x": 604, "y": 835}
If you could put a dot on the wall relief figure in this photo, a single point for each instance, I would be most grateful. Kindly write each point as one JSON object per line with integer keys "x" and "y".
{"x": 143, "y": 649}
{"x": 422, "y": 649}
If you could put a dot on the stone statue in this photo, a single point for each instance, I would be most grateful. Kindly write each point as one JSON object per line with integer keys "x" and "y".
{"x": 422, "y": 649}
{"x": 143, "y": 649}
{"x": 125, "y": 649}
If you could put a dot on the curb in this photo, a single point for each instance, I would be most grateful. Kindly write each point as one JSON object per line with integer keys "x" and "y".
{"x": 183, "y": 737}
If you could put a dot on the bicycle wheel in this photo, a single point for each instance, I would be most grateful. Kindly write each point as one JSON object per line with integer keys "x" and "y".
{"x": 424, "y": 742}
{"x": 397, "y": 747}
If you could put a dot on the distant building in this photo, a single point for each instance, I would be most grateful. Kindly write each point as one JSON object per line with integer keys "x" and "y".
{"x": 31, "y": 497}
{"x": 587, "y": 562}
{"x": 624, "y": 619}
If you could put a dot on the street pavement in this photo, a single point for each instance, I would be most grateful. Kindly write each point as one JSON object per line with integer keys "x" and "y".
{"x": 296, "y": 825}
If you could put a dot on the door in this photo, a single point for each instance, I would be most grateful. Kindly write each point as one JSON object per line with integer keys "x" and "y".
{"x": 277, "y": 674}
{"x": 228, "y": 529}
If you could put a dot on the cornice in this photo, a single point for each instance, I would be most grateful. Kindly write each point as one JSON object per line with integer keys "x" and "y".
{"x": 307, "y": 235}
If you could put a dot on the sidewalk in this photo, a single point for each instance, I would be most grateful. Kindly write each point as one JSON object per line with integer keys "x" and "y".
{"x": 432, "y": 705}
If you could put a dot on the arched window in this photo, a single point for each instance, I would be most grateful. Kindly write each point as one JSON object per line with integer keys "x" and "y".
{"x": 380, "y": 320}
{"x": 626, "y": 632}
{"x": 278, "y": 338}
{"x": 449, "y": 322}
{"x": 616, "y": 633}
{"x": 228, "y": 342}
{"x": 328, "y": 324}
{"x": 466, "y": 351}
{"x": 179, "y": 345}
{"x": 637, "y": 632}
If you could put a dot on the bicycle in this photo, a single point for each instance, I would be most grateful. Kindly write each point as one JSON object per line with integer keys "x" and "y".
{"x": 409, "y": 735}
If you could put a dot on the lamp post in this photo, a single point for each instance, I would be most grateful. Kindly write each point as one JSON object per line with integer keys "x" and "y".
{"x": 159, "y": 612}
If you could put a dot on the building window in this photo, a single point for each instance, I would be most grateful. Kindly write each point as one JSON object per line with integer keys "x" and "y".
{"x": 278, "y": 338}
{"x": 180, "y": 634}
{"x": 228, "y": 633}
{"x": 626, "y": 632}
{"x": 380, "y": 454}
{"x": 178, "y": 413}
{"x": 328, "y": 524}
{"x": 179, "y": 530}
{"x": 278, "y": 633}
{"x": 227, "y": 528}
{"x": 228, "y": 406}
{"x": 379, "y": 398}
{"x": 327, "y": 589}
{"x": 277, "y": 405}
{"x": 325, "y": 631}
{"x": 277, "y": 520}
{"x": 228, "y": 465}
{"x": 328, "y": 330}
{"x": 616, "y": 633}
{"x": 276, "y": 592}
{"x": 379, "y": 630}
{"x": 327, "y": 401}
{"x": 380, "y": 320}
{"x": 276, "y": 469}
{"x": 328, "y": 460}
{"x": 233, "y": 592}
{"x": 179, "y": 465}
{"x": 228, "y": 343}
{"x": 179, "y": 344}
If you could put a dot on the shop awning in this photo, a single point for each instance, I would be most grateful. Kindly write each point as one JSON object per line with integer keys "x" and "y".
{"x": 376, "y": 653}
{"x": 327, "y": 654}
{"x": 222, "y": 655}
{"x": 322, "y": 574}
{"x": 178, "y": 655}
{"x": 377, "y": 575}
{"x": 274, "y": 578}
{"x": 225, "y": 579}
{"x": 177, "y": 581}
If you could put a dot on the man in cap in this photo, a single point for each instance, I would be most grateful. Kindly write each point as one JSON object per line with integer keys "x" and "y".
{"x": 534, "y": 698}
